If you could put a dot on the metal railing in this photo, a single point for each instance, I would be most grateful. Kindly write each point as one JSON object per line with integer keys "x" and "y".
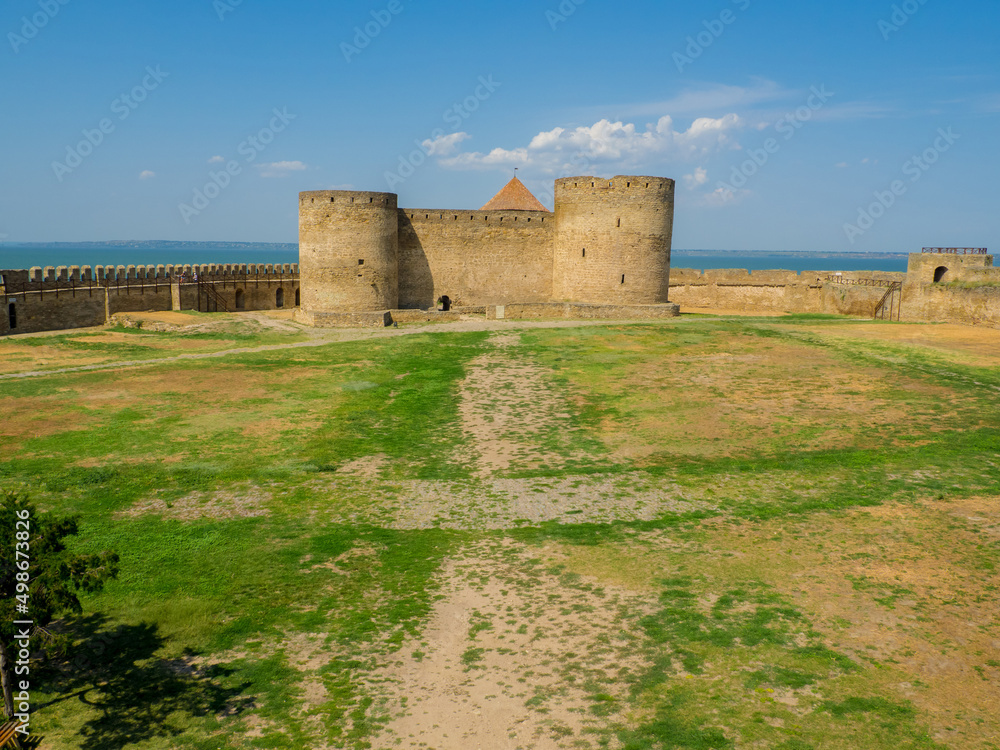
{"x": 884, "y": 283}
{"x": 956, "y": 251}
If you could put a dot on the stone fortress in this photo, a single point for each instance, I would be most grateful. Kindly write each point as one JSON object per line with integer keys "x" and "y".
{"x": 604, "y": 253}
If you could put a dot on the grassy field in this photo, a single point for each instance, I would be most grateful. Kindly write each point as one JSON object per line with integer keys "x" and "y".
{"x": 704, "y": 533}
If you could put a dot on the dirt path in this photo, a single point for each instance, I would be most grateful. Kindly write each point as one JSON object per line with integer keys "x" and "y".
{"x": 495, "y": 666}
{"x": 505, "y": 399}
{"x": 322, "y": 337}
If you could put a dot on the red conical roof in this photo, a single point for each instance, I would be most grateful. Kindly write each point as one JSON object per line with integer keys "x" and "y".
{"x": 514, "y": 197}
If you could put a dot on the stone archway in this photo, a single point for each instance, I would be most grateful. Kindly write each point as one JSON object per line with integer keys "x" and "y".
{"x": 445, "y": 303}
{"x": 241, "y": 300}
{"x": 12, "y": 316}
{"x": 279, "y": 298}
{"x": 940, "y": 273}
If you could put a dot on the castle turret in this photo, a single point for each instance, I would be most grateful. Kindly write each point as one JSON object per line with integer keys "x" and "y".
{"x": 612, "y": 242}
{"x": 348, "y": 250}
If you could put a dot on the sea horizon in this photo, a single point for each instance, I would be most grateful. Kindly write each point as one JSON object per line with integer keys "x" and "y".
{"x": 16, "y": 256}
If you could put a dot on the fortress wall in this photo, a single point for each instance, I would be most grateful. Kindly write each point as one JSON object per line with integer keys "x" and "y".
{"x": 348, "y": 249}
{"x": 947, "y": 304}
{"x": 257, "y": 295}
{"x": 777, "y": 291}
{"x": 474, "y": 257}
{"x": 613, "y": 239}
{"x": 50, "y": 312}
{"x": 60, "y": 298}
{"x": 922, "y": 267}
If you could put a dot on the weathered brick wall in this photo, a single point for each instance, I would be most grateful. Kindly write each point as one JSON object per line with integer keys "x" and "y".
{"x": 952, "y": 289}
{"x": 613, "y": 239}
{"x": 928, "y": 268}
{"x": 946, "y": 304}
{"x": 47, "y": 299}
{"x": 474, "y": 257}
{"x": 777, "y": 291}
{"x": 348, "y": 248}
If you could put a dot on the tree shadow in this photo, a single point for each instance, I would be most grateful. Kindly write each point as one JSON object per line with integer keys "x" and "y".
{"x": 137, "y": 694}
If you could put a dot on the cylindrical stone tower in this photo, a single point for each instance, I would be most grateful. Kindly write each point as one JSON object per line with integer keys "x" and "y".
{"x": 348, "y": 250}
{"x": 612, "y": 240}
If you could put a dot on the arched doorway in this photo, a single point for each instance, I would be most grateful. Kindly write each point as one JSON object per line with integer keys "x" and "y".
{"x": 297, "y": 303}
{"x": 12, "y": 315}
{"x": 940, "y": 273}
{"x": 279, "y": 298}
{"x": 241, "y": 301}
{"x": 445, "y": 303}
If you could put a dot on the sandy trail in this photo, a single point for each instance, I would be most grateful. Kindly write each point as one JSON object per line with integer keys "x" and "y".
{"x": 504, "y": 400}
{"x": 496, "y": 665}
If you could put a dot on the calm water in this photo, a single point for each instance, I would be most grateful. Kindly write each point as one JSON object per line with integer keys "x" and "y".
{"x": 26, "y": 257}
{"x": 765, "y": 261}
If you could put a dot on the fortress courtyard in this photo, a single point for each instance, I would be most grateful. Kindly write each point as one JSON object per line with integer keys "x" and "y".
{"x": 710, "y": 531}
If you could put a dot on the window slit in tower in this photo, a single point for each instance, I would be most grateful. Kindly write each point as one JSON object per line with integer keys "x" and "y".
{"x": 584, "y": 252}
{"x": 623, "y": 278}
{"x": 619, "y": 223}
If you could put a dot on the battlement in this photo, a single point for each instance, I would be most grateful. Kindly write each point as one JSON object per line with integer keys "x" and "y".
{"x": 360, "y": 199}
{"x": 524, "y": 219}
{"x": 52, "y": 276}
{"x": 640, "y": 185}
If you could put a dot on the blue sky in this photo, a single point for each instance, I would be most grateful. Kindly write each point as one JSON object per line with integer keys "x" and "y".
{"x": 787, "y": 125}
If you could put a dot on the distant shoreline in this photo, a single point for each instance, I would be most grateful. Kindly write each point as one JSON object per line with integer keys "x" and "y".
{"x": 293, "y": 247}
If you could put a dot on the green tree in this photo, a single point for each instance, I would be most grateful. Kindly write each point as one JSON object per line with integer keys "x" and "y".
{"x": 53, "y": 578}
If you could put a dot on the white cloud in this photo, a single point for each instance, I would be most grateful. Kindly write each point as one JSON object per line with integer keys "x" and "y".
{"x": 146, "y": 175}
{"x": 722, "y": 197}
{"x": 713, "y": 98}
{"x": 281, "y": 168}
{"x": 216, "y": 160}
{"x": 698, "y": 178}
{"x": 445, "y": 145}
{"x": 613, "y": 145}
{"x": 841, "y": 165}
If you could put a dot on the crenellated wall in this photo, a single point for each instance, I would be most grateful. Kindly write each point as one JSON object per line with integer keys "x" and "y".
{"x": 474, "y": 257}
{"x": 63, "y": 297}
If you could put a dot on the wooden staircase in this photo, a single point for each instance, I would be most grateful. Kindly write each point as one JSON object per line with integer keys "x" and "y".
{"x": 888, "y": 306}
{"x": 211, "y": 295}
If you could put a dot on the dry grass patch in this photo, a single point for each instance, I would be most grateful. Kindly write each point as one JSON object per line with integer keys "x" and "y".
{"x": 970, "y": 344}
{"x": 776, "y": 397}
{"x": 243, "y": 502}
